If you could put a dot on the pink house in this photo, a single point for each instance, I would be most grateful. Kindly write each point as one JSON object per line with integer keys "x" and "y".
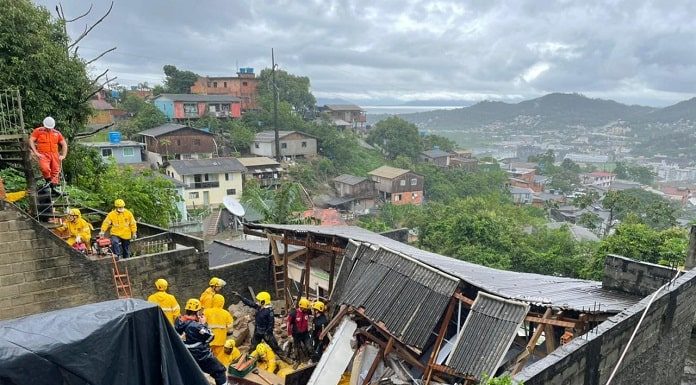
{"x": 180, "y": 107}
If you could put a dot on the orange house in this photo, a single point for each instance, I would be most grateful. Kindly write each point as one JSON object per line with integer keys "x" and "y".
{"x": 244, "y": 86}
{"x": 398, "y": 186}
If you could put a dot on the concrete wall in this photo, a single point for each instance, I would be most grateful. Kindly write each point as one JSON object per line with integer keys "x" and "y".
{"x": 656, "y": 356}
{"x": 39, "y": 272}
{"x": 254, "y": 273}
{"x": 633, "y": 277}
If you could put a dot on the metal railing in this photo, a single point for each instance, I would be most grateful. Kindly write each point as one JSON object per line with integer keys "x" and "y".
{"x": 11, "y": 118}
{"x": 199, "y": 185}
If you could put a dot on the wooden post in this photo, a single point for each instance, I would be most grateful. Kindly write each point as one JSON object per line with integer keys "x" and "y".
{"x": 549, "y": 338}
{"x": 308, "y": 266}
{"x": 531, "y": 345}
{"x": 332, "y": 271}
{"x": 438, "y": 341}
{"x": 286, "y": 280}
{"x": 373, "y": 367}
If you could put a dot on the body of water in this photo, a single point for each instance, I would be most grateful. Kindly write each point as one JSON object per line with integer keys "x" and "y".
{"x": 390, "y": 110}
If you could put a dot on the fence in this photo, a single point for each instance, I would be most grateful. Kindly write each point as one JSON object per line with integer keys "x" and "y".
{"x": 11, "y": 118}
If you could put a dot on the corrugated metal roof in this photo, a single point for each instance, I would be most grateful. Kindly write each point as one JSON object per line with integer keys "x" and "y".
{"x": 199, "y": 98}
{"x": 435, "y": 153}
{"x": 167, "y": 128}
{"x": 222, "y": 254}
{"x": 206, "y": 166}
{"x": 269, "y": 136}
{"x": 388, "y": 172}
{"x": 486, "y": 335}
{"x": 561, "y": 292}
{"x": 349, "y": 179}
{"x": 258, "y": 161}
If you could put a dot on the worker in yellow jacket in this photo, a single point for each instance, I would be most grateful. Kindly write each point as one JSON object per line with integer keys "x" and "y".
{"x": 230, "y": 354}
{"x": 123, "y": 228}
{"x": 220, "y": 323}
{"x": 79, "y": 230}
{"x": 166, "y": 301}
{"x": 214, "y": 286}
{"x": 265, "y": 358}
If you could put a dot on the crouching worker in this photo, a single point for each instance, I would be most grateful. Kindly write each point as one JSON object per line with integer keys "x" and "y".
{"x": 263, "y": 320}
{"x": 79, "y": 230}
{"x": 196, "y": 338}
{"x": 265, "y": 358}
{"x": 230, "y": 353}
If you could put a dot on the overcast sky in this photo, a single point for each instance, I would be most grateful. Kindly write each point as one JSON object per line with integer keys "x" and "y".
{"x": 373, "y": 52}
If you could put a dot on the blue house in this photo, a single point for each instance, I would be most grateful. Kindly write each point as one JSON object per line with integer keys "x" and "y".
{"x": 123, "y": 152}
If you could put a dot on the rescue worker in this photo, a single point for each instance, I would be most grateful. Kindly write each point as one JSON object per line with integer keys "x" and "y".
{"x": 79, "y": 230}
{"x": 196, "y": 338}
{"x": 230, "y": 353}
{"x": 319, "y": 322}
{"x": 263, "y": 320}
{"x": 44, "y": 142}
{"x": 214, "y": 286}
{"x": 219, "y": 322}
{"x": 298, "y": 328}
{"x": 123, "y": 228}
{"x": 265, "y": 358}
{"x": 166, "y": 301}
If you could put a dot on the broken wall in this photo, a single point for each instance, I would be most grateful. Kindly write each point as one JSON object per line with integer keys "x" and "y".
{"x": 656, "y": 355}
{"x": 634, "y": 277}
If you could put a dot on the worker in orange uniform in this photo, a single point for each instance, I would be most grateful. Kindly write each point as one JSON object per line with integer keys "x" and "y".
{"x": 45, "y": 143}
{"x": 265, "y": 358}
{"x": 79, "y": 230}
{"x": 220, "y": 323}
{"x": 214, "y": 286}
{"x": 298, "y": 328}
{"x": 166, "y": 301}
{"x": 123, "y": 228}
{"x": 230, "y": 353}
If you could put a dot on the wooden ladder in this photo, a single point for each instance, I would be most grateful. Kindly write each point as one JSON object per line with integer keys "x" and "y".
{"x": 121, "y": 280}
{"x": 279, "y": 280}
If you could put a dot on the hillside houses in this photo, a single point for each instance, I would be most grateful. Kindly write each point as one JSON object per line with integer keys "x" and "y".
{"x": 173, "y": 141}
{"x": 293, "y": 144}
{"x": 207, "y": 181}
{"x": 398, "y": 186}
{"x": 182, "y": 107}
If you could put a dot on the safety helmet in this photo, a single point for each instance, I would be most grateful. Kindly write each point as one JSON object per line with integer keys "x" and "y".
{"x": 75, "y": 212}
{"x": 304, "y": 303}
{"x": 215, "y": 281}
{"x": 261, "y": 349}
{"x": 319, "y": 306}
{"x": 218, "y": 301}
{"x": 193, "y": 305}
{"x": 264, "y": 298}
{"x": 118, "y": 203}
{"x": 161, "y": 284}
{"x": 230, "y": 344}
{"x": 49, "y": 122}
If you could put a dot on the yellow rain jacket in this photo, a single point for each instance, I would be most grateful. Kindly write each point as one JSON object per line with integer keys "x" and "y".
{"x": 77, "y": 227}
{"x": 219, "y": 322}
{"x": 267, "y": 362}
{"x": 168, "y": 303}
{"x": 207, "y": 298}
{"x": 122, "y": 224}
{"x": 228, "y": 359}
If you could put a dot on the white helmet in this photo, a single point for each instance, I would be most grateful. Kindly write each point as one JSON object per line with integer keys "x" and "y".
{"x": 49, "y": 122}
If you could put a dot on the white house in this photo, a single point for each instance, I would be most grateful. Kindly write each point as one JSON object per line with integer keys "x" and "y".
{"x": 207, "y": 181}
{"x": 292, "y": 144}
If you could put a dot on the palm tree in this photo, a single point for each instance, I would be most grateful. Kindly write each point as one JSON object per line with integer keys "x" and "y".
{"x": 280, "y": 206}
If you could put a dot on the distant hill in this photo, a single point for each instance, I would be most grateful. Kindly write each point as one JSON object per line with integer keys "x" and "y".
{"x": 681, "y": 111}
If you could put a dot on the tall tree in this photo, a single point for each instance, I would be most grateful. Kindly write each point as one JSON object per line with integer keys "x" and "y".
{"x": 34, "y": 58}
{"x": 651, "y": 209}
{"x": 396, "y": 137}
{"x": 292, "y": 89}
{"x": 178, "y": 81}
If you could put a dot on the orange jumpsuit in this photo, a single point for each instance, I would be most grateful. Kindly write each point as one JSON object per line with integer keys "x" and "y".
{"x": 47, "y": 141}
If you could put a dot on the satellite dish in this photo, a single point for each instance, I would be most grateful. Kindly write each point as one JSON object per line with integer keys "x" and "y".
{"x": 233, "y": 206}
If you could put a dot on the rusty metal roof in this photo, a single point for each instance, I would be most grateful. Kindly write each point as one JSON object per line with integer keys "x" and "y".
{"x": 536, "y": 289}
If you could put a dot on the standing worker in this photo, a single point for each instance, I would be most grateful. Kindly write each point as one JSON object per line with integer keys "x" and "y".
{"x": 230, "y": 353}
{"x": 319, "y": 322}
{"x": 214, "y": 286}
{"x": 123, "y": 228}
{"x": 44, "y": 143}
{"x": 79, "y": 230}
{"x": 196, "y": 339}
{"x": 263, "y": 320}
{"x": 220, "y": 323}
{"x": 298, "y": 328}
{"x": 166, "y": 301}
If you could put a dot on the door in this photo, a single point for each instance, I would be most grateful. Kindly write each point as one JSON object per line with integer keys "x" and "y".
{"x": 206, "y": 198}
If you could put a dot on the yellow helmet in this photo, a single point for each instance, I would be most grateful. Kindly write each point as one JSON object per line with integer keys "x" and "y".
{"x": 304, "y": 303}
{"x": 319, "y": 306}
{"x": 215, "y": 281}
{"x": 261, "y": 349}
{"x": 264, "y": 298}
{"x": 230, "y": 344}
{"x": 75, "y": 212}
{"x": 118, "y": 203}
{"x": 193, "y": 305}
{"x": 161, "y": 284}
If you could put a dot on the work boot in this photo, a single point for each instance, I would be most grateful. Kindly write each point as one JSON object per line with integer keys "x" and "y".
{"x": 54, "y": 190}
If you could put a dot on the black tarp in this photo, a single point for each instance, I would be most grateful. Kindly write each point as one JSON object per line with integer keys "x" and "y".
{"x": 117, "y": 342}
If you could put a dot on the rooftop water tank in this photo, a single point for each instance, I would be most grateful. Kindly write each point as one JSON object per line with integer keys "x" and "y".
{"x": 114, "y": 137}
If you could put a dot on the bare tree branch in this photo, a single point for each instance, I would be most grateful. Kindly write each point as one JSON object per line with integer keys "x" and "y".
{"x": 79, "y": 17}
{"x": 90, "y": 133}
{"x": 100, "y": 75}
{"x": 101, "y": 87}
{"x": 100, "y": 55}
{"x": 92, "y": 27}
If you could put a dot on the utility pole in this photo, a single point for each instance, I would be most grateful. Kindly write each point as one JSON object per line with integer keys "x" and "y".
{"x": 275, "y": 108}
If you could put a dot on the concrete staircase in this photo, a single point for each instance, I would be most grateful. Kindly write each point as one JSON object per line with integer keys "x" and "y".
{"x": 212, "y": 222}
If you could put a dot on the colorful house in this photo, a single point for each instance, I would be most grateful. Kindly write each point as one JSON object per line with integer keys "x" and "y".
{"x": 207, "y": 181}
{"x": 397, "y": 185}
{"x": 180, "y": 107}
{"x": 176, "y": 141}
{"x": 244, "y": 86}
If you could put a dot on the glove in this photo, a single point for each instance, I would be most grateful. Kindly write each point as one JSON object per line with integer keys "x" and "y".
{"x": 135, "y": 236}
{"x": 78, "y": 239}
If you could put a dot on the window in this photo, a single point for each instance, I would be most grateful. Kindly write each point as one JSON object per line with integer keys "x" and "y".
{"x": 190, "y": 109}
{"x": 397, "y": 197}
{"x": 256, "y": 145}
{"x": 244, "y": 83}
{"x": 193, "y": 195}
{"x": 414, "y": 181}
{"x": 402, "y": 182}
{"x": 128, "y": 151}
{"x": 283, "y": 145}
{"x": 178, "y": 142}
{"x": 224, "y": 84}
{"x": 227, "y": 176}
{"x": 304, "y": 144}
{"x": 106, "y": 152}
{"x": 197, "y": 142}
{"x": 231, "y": 191}
{"x": 214, "y": 84}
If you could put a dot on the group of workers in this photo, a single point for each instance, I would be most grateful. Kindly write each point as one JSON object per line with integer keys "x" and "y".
{"x": 205, "y": 327}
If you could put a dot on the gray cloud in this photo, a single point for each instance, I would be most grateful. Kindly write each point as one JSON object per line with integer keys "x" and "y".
{"x": 368, "y": 51}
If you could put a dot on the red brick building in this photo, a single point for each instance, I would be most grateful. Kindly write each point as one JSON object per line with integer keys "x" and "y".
{"x": 244, "y": 86}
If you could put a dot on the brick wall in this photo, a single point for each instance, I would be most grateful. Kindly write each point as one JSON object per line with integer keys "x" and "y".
{"x": 634, "y": 277}
{"x": 39, "y": 272}
{"x": 656, "y": 355}
{"x": 241, "y": 275}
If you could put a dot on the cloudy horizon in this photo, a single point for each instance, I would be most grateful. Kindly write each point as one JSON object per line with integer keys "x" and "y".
{"x": 390, "y": 52}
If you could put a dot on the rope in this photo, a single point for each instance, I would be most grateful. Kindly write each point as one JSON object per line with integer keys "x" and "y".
{"x": 635, "y": 331}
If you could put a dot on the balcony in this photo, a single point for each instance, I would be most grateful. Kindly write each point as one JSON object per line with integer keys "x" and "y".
{"x": 200, "y": 185}
{"x": 191, "y": 114}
